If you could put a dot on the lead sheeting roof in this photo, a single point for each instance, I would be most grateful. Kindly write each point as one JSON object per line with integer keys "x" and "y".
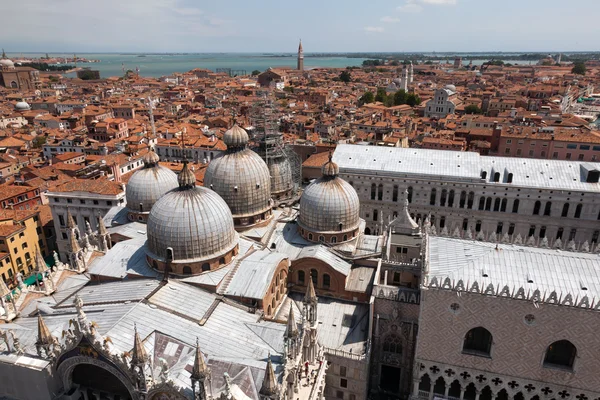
{"x": 460, "y": 165}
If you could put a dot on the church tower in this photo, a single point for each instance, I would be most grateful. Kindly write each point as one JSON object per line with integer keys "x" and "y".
{"x": 300, "y": 57}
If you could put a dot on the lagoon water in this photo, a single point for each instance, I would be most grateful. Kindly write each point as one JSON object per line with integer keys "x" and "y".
{"x": 156, "y": 65}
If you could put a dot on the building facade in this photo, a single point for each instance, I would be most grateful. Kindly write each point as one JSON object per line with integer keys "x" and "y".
{"x": 444, "y": 102}
{"x": 86, "y": 201}
{"x": 468, "y": 195}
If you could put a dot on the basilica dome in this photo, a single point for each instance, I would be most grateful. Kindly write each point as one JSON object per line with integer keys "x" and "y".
{"x": 242, "y": 179}
{"x": 281, "y": 178}
{"x": 147, "y": 185}
{"x": 5, "y": 62}
{"x": 22, "y": 106}
{"x": 329, "y": 208}
{"x": 196, "y": 223}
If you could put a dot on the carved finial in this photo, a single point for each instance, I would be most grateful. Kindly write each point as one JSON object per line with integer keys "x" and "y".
{"x": 139, "y": 355}
{"x": 292, "y": 329}
{"x": 269, "y": 385}
{"x": 200, "y": 369}
{"x": 310, "y": 296}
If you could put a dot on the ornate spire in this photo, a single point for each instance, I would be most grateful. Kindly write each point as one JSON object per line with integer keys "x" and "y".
{"x": 40, "y": 264}
{"x": 4, "y": 291}
{"x": 70, "y": 220}
{"x": 404, "y": 223}
{"x": 101, "y": 227}
{"x": 73, "y": 245}
{"x": 300, "y": 50}
{"x": 3, "y": 54}
{"x": 292, "y": 329}
{"x": 44, "y": 335}
{"x": 269, "y": 385}
{"x": 139, "y": 355}
{"x": 311, "y": 296}
{"x": 200, "y": 369}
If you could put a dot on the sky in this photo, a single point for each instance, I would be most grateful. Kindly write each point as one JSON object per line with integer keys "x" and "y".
{"x": 277, "y": 25}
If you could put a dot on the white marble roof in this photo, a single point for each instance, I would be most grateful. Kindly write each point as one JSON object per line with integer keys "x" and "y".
{"x": 511, "y": 268}
{"x": 461, "y": 165}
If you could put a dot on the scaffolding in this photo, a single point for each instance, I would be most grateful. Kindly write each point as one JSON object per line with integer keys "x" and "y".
{"x": 269, "y": 142}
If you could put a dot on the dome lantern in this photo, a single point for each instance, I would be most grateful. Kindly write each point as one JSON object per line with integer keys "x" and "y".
{"x": 330, "y": 169}
{"x": 186, "y": 178}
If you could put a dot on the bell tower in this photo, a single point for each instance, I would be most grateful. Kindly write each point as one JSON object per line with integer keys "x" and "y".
{"x": 300, "y": 57}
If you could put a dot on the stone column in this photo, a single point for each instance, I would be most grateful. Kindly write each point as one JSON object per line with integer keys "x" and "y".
{"x": 415, "y": 394}
{"x": 446, "y": 390}
{"x": 431, "y": 389}
{"x": 462, "y": 393}
{"x": 385, "y": 276}
{"x": 477, "y": 394}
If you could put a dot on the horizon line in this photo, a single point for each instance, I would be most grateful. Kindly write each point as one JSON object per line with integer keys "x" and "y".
{"x": 311, "y": 52}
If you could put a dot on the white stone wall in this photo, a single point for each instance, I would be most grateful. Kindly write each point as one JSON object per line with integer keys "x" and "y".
{"x": 79, "y": 211}
{"x": 585, "y": 226}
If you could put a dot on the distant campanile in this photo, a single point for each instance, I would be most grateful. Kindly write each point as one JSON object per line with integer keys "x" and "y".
{"x": 300, "y": 57}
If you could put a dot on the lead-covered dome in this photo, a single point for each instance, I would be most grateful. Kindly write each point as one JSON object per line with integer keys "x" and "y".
{"x": 329, "y": 208}
{"x": 22, "y": 106}
{"x": 5, "y": 62}
{"x": 196, "y": 223}
{"x": 281, "y": 178}
{"x": 147, "y": 185}
{"x": 242, "y": 179}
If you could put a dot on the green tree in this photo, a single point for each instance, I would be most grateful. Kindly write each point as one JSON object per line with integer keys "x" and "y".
{"x": 87, "y": 75}
{"x": 345, "y": 77}
{"x": 39, "y": 141}
{"x": 255, "y": 72}
{"x": 367, "y": 98}
{"x": 381, "y": 95}
{"x": 473, "y": 109}
{"x": 413, "y": 99}
{"x": 288, "y": 89}
{"x": 400, "y": 97}
{"x": 428, "y": 62}
{"x": 578, "y": 68}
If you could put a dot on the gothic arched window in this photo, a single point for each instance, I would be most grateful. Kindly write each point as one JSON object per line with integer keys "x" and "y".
{"x": 392, "y": 344}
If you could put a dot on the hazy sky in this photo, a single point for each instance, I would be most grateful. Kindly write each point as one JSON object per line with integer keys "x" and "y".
{"x": 276, "y": 26}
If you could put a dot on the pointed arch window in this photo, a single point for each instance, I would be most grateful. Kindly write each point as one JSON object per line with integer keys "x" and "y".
{"x": 392, "y": 344}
